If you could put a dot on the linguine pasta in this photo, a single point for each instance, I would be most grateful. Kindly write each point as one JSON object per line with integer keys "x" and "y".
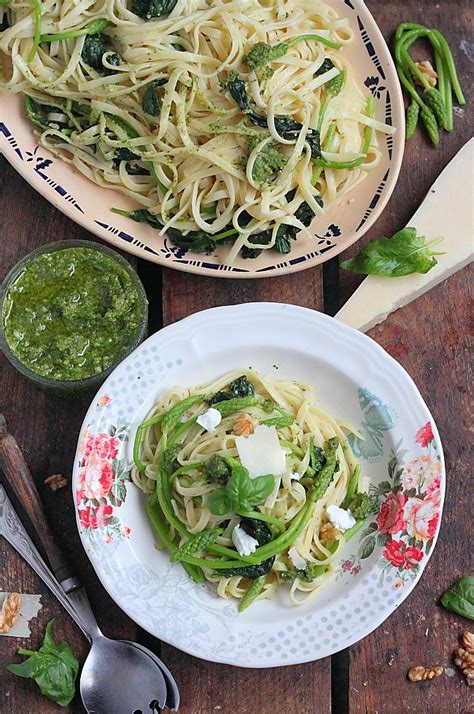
{"x": 175, "y": 460}
{"x": 185, "y": 113}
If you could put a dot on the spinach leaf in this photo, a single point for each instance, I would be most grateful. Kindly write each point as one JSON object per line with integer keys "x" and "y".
{"x": 152, "y": 8}
{"x": 4, "y": 21}
{"x": 240, "y": 492}
{"x": 325, "y": 67}
{"x": 92, "y": 50}
{"x": 197, "y": 241}
{"x": 238, "y": 91}
{"x": 124, "y": 154}
{"x": 240, "y": 387}
{"x": 151, "y": 100}
{"x": 141, "y": 215}
{"x": 285, "y": 233}
{"x": 113, "y": 59}
{"x": 53, "y": 667}
{"x": 460, "y": 597}
{"x": 287, "y": 128}
{"x": 38, "y": 115}
{"x": 317, "y": 458}
{"x": 403, "y": 254}
{"x": 134, "y": 169}
{"x": 262, "y": 533}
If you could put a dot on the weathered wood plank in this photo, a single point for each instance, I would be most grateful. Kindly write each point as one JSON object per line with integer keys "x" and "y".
{"x": 184, "y": 294}
{"x": 46, "y": 428}
{"x": 429, "y": 338}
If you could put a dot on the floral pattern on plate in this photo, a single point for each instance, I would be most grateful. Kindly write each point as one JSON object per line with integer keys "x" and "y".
{"x": 409, "y": 512}
{"x": 358, "y": 383}
{"x": 102, "y": 483}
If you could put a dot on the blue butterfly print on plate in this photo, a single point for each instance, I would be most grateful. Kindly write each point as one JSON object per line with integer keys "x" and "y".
{"x": 377, "y": 419}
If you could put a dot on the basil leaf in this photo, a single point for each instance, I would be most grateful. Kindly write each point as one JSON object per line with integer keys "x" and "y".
{"x": 403, "y": 254}
{"x": 460, "y": 597}
{"x": 218, "y": 502}
{"x": 262, "y": 486}
{"x": 239, "y": 488}
{"x": 53, "y": 667}
{"x": 240, "y": 492}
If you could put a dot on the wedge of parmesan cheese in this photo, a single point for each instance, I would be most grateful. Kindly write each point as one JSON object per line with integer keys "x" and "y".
{"x": 448, "y": 211}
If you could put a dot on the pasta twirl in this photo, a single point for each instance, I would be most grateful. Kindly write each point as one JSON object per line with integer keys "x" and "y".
{"x": 205, "y": 486}
{"x": 231, "y": 121}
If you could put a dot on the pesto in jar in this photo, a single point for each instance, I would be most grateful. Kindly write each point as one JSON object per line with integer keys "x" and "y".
{"x": 72, "y": 313}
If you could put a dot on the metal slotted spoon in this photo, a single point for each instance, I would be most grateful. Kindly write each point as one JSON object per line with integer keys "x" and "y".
{"x": 118, "y": 676}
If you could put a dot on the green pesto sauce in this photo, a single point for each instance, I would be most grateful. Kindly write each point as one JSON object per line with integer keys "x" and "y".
{"x": 72, "y": 313}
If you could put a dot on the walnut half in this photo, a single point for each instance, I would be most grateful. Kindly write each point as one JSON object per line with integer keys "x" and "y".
{"x": 55, "y": 481}
{"x": 10, "y": 613}
{"x": 465, "y": 657}
{"x": 243, "y": 425}
{"x": 329, "y": 532}
{"x": 430, "y": 74}
{"x": 420, "y": 673}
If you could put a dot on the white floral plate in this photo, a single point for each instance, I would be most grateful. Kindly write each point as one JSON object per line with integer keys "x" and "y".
{"x": 89, "y": 205}
{"x": 356, "y": 381}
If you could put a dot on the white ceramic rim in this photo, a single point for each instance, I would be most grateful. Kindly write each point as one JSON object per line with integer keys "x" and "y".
{"x": 372, "y": 352}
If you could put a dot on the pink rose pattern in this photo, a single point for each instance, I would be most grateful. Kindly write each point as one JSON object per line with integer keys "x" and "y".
{"x": 409, "y": 512}
{"x": 102, "y": 479}
{"x": 390, "y": 517}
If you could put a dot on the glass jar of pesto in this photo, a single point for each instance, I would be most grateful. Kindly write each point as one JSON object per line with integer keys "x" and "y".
{"x": 70, "y": 312}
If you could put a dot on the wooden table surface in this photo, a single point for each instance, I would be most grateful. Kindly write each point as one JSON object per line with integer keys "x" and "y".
{"x": 429, "y": 338}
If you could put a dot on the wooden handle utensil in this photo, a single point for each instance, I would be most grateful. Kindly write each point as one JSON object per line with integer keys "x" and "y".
{"x": 15, "y": 468}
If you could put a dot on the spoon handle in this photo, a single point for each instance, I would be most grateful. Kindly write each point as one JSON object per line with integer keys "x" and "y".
{"x": 12, "y": 529}
{"x": 15, "y": 468}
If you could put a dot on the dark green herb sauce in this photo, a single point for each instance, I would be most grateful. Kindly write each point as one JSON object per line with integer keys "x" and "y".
{"x": 72, "y": 313}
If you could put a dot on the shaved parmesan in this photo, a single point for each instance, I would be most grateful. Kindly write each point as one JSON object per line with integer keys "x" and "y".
{"x": 261, "y": 452}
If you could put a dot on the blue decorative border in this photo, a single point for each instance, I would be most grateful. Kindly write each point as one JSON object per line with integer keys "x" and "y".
{"x": 11, "y": 140}
{"x": 169, "y": 252}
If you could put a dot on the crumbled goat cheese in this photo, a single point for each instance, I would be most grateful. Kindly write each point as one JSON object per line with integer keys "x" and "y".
{"x": 245, "y": 544}
{"x": 339, "y": 517}
{"x": 210, "y": 419}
